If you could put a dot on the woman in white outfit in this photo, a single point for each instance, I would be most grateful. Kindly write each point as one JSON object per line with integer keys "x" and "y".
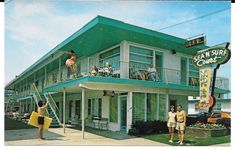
{"x": 171, "y": 123}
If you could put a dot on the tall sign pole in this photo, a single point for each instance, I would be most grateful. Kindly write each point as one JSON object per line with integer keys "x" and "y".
{"x": 208, "y": 61}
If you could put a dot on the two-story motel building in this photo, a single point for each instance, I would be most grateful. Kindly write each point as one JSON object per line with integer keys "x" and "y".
{"x": 124, "y": 46}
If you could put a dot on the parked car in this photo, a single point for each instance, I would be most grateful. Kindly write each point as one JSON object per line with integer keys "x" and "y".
{"x": 218, "y": 115}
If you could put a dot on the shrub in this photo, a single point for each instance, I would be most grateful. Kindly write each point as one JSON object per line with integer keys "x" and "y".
{"x": 148, "y": 127}
{"x": 194, "y": 120}
{"x": 208, "y": 126}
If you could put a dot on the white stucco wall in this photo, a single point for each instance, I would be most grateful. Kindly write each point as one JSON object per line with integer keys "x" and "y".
{"x": 226, "y": 107}
{"x": 84, "y": 65}
{"x": 191, "y": 108}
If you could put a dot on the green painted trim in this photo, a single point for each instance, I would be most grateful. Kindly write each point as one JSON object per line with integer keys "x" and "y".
{"x": 114, "y": 81}
{"x": 130, "y": 27}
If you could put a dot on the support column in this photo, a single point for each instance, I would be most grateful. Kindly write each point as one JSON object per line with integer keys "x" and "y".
{"x": 83, "y": 113}
{"x": 20, "y": 107}
{"x": 34, "y": 78}
{"x": 129, "y": 111}
{"x": 167, "y": 106}
{"x": 27, "y": 91}
{"x": 158, "y": 106}
{"x": 26, "y": 102}
{"x": 124, "y": 59}
{"x": 31, "y": 104}
{"x": 64, "y": 109}
{"x": 45, "y": 80}
{"x": 145, "y": 108}
{"x": 60, "y": 69}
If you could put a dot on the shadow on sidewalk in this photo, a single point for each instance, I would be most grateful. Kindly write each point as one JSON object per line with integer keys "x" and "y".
{"x": 117, "y": 135}
{"x": 26, "y": 134}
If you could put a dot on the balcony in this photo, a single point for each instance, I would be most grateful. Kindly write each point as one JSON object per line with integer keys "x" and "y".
{"x": 119, "y": 69}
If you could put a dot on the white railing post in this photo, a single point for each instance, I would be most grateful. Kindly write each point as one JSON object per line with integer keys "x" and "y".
{"x": 83, "y": 113}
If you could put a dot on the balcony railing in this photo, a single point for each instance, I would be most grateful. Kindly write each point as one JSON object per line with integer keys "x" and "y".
{"x": 121, "y": 69}
{"x": 157, "y": 74}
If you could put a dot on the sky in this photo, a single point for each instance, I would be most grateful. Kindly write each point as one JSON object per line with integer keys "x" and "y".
{"x": 33, "y": 28}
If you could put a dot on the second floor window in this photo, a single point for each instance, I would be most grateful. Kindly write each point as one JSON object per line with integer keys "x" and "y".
{"x": 140, "y": 57}
{"x": 193, "y": 74}
{"x": 112, "y": 57}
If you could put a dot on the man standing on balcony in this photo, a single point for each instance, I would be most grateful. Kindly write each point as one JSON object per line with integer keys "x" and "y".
{"x": 181, "y": 123}
{"x": 72, "y": 63}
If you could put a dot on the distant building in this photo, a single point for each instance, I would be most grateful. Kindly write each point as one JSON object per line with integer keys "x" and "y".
{"x": 221, "y": 105}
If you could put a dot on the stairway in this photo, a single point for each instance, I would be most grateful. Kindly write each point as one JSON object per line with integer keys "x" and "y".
{"x": 52, "y": 110}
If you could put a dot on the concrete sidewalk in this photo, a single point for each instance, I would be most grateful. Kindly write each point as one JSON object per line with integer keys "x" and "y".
{"x": 222, "y": 145}
{"x": 55, "y": 136}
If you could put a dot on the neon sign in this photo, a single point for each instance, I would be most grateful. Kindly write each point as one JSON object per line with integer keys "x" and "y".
{"x": 215, "y": 55}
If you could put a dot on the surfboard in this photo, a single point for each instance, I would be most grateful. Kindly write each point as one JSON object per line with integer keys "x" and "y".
{"x": 33, "y": 120}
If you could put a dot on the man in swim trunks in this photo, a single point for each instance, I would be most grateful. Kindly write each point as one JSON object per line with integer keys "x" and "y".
{"x": 73, "y": 59}
{"x": 181, "y": 123}
{"x": 41, "y": 111}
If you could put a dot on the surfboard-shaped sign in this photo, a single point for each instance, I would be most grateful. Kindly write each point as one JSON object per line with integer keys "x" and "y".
{"x": 211, "y": 56}
{"x": 208, "y": 61}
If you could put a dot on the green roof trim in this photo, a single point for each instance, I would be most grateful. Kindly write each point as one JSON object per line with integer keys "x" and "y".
{"x": 101, "y": 33}
{"x": 122, "y": 81}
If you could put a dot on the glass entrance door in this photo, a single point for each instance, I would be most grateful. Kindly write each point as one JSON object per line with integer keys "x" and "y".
{"x": 123, "y": 112}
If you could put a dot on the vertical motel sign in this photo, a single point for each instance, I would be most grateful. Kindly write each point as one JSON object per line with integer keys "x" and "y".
{"x": 208, "y": 61}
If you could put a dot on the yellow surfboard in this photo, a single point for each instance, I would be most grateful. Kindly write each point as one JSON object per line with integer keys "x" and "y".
{"x": 33, "y": 120}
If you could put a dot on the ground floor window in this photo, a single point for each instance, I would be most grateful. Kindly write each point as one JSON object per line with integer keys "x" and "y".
{"x": 78, "y": 108}
{"x": 152, "y": 107}
{"x": 113, "y": 109}
{"x": 89, "y": 107}
{"x": 138, "y": 107}
{"x": 162, "y": 107}
{"x": 96, "y": 107}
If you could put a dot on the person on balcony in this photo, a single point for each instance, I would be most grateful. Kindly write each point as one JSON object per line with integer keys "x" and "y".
{"x": 152, "y": 73}
{"x": 94, "y": 71}
{"x": 41, "y": 112}
{"x": 71, "y": 63}
{"x": 136, "y": 73}
{"x": 107, "y": 70}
